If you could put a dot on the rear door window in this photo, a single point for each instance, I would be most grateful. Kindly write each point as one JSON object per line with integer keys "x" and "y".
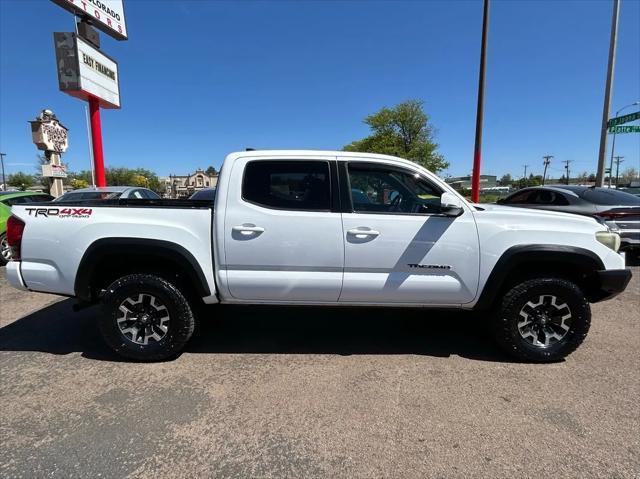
{"x": 290, "y": 185}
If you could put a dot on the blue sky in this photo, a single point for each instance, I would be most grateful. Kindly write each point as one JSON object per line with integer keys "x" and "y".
{"x": 200, "y": 79}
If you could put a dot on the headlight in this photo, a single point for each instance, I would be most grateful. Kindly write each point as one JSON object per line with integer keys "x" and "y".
{"x": 609, "y": 239}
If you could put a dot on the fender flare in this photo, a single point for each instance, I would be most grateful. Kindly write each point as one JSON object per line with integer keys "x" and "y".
{"x": 137, "y": 246}
{"x": 515, "y": 256}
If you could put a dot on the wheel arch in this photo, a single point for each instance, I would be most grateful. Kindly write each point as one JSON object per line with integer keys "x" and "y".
{"x": 106, "y": 258}
{"x": 527, "y": 261}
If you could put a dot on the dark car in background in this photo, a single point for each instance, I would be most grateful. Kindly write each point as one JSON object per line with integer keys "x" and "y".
{"x": 619, "y": 210}
{"x": 207, "y": 194}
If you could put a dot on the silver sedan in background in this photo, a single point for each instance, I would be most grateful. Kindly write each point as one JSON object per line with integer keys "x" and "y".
{"x": 108, "y": 193}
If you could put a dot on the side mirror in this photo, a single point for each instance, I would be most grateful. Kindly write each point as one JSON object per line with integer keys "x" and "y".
{"x": 450, "y": 205}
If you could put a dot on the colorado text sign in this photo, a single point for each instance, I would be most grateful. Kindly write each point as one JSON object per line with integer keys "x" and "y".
{"x": 107, "y": 15}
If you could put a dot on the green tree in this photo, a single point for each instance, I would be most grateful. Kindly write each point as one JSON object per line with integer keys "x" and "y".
{"x": 211, "y": 171}
{"x": 405, "y": 131}
{"x": 583, "y": 177}
{"x": 506, "y": 180}
{"x": 77, "y": 183}
{"x": 534, "y": 180}
{"x": 133, "y": 177}
{"x": 629, "y": 175}
{"x": 21, "y": 180}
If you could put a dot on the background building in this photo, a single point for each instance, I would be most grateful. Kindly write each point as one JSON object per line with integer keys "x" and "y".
{"x": 177, "y": 186}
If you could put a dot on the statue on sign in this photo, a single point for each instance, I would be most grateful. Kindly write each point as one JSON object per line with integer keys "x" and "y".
{"x": 48, "y": 133}
{"x": 51, "y": 136}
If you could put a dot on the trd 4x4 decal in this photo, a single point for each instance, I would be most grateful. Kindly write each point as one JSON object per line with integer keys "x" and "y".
{"x": 60, "y": 212}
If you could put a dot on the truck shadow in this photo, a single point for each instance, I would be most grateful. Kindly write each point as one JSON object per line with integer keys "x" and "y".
{"x": 57, "y": 329}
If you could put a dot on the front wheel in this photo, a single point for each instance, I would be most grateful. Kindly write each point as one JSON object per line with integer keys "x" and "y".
{"x": 542, "y": 320}
{"x": 146, "y": 318}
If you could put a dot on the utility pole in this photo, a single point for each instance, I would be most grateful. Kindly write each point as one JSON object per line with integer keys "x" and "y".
{"x": 475, "y": 179}
{"x": 607, "y": 93}
{"x": 566, "y": 167}
{"x": 619, "y": 159}
{"x": 547, "y": 160}
{"x": 526, "y": 183}
{"x": 4, "y": 180}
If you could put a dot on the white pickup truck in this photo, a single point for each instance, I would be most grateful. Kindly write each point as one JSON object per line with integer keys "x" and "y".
{"x": 319, "y": 228}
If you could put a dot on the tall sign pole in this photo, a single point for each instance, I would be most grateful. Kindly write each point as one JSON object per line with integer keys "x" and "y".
{"x": 607, "y": 92}
{"x": 84, "y": 71}
{"x": 96, "y": 141}
{"x": 475, "y": 181}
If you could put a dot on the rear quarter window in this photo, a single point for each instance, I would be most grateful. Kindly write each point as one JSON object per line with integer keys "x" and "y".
{"x": 610, "y": 197}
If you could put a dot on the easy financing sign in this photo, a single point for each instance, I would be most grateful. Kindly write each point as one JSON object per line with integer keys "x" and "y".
{"x": 84, "y": 71}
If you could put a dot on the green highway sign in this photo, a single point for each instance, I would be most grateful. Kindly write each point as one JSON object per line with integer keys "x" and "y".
{"x": 624, "y": 129}
{"x": 620, "y": 120}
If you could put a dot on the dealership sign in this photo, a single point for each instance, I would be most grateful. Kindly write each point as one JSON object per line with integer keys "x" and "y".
{"x": 50, "y": 135}
{"x": 54, "y": 171}
{"x": 107, "y": 15}
{"x": 84, "y": 71}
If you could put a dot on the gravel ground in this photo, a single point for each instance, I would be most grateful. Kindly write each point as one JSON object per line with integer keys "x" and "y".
{"x": 312, "y": 392}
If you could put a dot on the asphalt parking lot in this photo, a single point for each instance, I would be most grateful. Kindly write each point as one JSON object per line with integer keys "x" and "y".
{"x": 310, "y": 392}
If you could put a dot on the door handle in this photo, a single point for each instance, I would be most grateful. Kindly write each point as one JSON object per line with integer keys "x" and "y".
{"x": 248, "y": 229}
{"x": 363, "y": 233}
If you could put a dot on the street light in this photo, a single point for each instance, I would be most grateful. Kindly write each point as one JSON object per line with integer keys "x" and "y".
{"x": 613, "y": 143}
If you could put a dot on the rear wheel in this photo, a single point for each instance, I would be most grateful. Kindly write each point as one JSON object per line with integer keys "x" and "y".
{"x": 146, "y": 318}
{"x": 542, "y": 320}
{"x": 5, "y": 250}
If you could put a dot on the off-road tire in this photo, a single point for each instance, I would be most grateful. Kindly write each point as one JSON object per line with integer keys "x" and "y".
{"x": 507, "y": 316}
{"x": 181, "y": 319}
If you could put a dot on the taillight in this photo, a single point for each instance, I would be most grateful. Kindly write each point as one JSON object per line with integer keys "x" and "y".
{"x": 613, "y": 215}
{"x": 15, "y": 228}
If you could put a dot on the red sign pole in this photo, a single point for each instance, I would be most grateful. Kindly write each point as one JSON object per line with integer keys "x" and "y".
{"x": 96, "y": 140}
{"x": 475, "y": 180}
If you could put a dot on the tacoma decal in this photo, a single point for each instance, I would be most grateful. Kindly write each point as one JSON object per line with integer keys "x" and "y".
{"x": 429, "y": 266}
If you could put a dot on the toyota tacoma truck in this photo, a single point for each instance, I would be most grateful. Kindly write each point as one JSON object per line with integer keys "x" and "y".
{"x": 319, "y": 228}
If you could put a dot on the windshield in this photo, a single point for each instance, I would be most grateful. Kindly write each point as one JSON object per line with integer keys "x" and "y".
{"x": 90, "y": 195}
